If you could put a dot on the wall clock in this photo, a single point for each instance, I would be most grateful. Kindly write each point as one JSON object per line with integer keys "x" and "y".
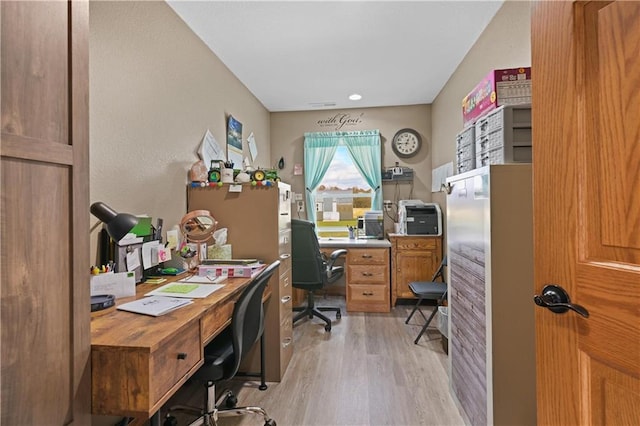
{"x": 406, "y": 143}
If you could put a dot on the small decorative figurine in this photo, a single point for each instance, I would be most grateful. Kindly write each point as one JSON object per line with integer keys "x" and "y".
{"x": 198, "y": 172}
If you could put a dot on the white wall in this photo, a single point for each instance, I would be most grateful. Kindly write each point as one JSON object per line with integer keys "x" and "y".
{"x": 155, "y": 89}
{"x": 505, "y": 43}
{"x": 287, "y": 139}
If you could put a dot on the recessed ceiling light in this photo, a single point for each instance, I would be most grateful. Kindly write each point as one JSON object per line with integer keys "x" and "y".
{"x": 355, "y": 97}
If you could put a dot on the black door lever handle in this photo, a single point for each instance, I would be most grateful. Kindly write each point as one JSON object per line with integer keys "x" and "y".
{"x": 557, "y": 300}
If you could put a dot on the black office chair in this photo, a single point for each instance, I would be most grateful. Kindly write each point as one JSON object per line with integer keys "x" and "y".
{"x": 429, "y": 290}
{"x": 223, "y": 355}
{"x": 310, "y": 269}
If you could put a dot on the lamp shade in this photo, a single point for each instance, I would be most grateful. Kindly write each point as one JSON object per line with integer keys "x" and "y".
{"x": 117, "y": 224}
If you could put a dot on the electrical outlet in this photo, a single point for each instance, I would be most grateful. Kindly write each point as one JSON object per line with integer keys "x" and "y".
{"x": 300, "y": 206}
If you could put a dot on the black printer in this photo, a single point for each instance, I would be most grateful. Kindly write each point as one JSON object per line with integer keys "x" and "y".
{"x": 423, "y": 219}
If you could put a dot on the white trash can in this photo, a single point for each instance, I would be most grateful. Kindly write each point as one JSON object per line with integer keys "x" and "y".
{"x": 443, "y": 320}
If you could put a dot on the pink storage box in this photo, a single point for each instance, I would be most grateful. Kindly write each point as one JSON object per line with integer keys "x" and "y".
{"x": 500, "y": 87}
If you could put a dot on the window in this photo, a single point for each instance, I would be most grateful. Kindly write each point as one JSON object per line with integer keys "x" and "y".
{"x": 342, "y": 196}
{"x": 342, "y": 178}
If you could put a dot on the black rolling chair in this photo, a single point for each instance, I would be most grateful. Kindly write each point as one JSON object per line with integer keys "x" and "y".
{"x": 310, "y": 270}
{"x": 223, "y": 355}
{"x": 429, "y": 290}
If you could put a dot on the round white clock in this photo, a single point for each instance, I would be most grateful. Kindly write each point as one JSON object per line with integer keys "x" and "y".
{"x": 406, "y": 143}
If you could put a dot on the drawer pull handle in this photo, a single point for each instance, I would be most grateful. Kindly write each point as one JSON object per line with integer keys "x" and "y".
{"x": 367, "y": 293}
{"x": 286, "y": 342}
{"x": 285, "y": 256}
{"x": 366, "y": 256}
{"x": 285, "y": 299}
{"x": 182, "y": 355}
{"x": 367, "y": 274}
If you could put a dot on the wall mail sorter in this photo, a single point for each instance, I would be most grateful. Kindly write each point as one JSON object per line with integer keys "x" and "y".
{"x": 504, "y": 136}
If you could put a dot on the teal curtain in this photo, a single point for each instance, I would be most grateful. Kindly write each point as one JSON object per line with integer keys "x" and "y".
{"x": 364, "y": 148}
{"x": 319, "y": 150}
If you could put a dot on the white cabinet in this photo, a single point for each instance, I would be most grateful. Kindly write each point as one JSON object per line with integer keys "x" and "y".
{"x": 491, "y": 309}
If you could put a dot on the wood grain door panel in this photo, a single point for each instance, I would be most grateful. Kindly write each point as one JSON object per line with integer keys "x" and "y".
{"x": 587, "y": 235}
{"x": 44, "y": 301}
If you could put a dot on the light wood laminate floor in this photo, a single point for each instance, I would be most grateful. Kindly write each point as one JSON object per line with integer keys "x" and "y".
{"x": 367, "y": 371}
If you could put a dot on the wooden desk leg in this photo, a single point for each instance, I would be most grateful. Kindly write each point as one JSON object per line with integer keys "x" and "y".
{"x": 263, "y": 385}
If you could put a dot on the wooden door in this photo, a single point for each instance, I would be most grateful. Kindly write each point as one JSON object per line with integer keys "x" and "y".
{"x": 44, "y": 299}
{"x": 586, "y": 121}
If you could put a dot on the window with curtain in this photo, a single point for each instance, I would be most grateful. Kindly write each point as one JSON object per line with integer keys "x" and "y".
{"x": 342, "y": 179}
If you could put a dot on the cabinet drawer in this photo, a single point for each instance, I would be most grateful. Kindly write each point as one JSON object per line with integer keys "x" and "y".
{"x": 367, "y": 256}
{"x": 367, "y": 298}
{"x": 216, "y": 319}
{"x": 416, "y": 243}
{"x": 284, "y": 242}
{"x": 286, "y": 303}
{"x": 367, "y": 274}
{"x": 285, "y": 263}
{"x": 368, "y": 293}
{"x": 173, "y": 360}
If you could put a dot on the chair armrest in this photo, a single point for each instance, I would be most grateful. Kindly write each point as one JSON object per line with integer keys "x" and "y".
{"x": 335, "y": 255}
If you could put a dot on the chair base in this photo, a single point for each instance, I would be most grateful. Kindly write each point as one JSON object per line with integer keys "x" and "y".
{"x": 213, "y": 412}
{"x": 312, "y": 311}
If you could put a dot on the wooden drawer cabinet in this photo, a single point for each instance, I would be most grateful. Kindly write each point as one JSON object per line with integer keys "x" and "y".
{"x": 413, "y": 258}
{"x": 368, "y": 280}
{"x": 151, "y": 374}
{"x": 368, "y": 274}
{"x": 215, "y": 320}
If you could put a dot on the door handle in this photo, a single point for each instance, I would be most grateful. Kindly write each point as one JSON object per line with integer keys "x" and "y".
{"x": 557, "y": 300}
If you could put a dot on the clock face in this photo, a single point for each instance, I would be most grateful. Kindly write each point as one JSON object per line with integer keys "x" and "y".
{"x": 406, "y": 143}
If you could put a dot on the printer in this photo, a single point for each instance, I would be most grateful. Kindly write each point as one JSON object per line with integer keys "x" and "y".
{"x": 419, "y": 218}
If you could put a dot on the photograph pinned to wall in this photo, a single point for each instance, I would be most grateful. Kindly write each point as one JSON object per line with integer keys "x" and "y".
{"x": 253, "y": 148}
{"x": 210, "y": 149}
{"x": 234, "y": 142}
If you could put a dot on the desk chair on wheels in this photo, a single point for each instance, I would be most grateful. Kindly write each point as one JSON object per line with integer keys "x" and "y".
{"x": 429, "y": 290}
{"x": 311, "y": 271}
{"x": 222, "y": 357}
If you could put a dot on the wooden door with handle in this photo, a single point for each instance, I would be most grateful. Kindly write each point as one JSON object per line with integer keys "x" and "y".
{"x": 586, "y": 161}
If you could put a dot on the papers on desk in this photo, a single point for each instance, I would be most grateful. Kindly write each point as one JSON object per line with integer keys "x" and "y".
{"x": 191, "y": 290}
{"x": 154, "y": 305}
{"x": 120, "y": 284}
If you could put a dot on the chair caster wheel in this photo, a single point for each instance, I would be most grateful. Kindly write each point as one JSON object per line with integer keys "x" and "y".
{"x": 270, "y": 422}
{"x": 170, "y": 421}
{"x": 338, "y": 315}
{"x": 327, "y": 327}
{"x": 231, "y": 401}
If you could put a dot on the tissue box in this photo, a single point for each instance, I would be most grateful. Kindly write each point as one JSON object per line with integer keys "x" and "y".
{"x": 510, "y": 86}
{"x": 219, "y": 251}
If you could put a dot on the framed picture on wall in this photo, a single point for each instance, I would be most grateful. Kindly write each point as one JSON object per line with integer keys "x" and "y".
{"x": 234, "y": 142}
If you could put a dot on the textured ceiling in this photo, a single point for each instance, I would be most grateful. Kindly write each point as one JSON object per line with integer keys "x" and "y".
{"x": 296, "y": 56}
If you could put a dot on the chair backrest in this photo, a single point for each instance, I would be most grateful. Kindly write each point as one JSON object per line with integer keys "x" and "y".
{"x": 439, "y": 274}
{"x": 308, "y": 266}
{"x": 247, "y": 321}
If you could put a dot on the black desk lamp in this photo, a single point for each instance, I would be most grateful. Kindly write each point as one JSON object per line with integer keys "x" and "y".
{"x": 117, "y": 226}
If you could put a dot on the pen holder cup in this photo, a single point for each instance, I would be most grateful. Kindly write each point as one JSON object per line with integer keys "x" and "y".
{"x": 352, "y": 234}
{"x": 226, "y": 175}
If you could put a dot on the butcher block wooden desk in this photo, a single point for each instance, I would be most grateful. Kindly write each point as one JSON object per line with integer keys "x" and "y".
{"x": 138, "y": 362}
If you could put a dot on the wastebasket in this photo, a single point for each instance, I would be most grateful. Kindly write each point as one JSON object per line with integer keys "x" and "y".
{"x": 443, "y": 320}
{"x": 443, "y": 326}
